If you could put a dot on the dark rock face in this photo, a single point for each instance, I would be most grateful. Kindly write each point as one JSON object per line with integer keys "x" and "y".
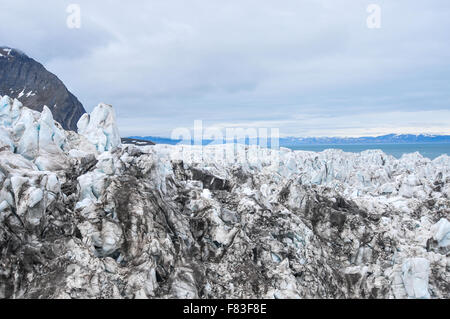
{"x": 27, "y": 80}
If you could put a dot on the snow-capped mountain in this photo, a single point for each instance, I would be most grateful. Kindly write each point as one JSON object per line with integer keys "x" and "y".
{"x": 27, "y": 80}
{"x": 84, "y": 216}
{"x": 383, "y": 139}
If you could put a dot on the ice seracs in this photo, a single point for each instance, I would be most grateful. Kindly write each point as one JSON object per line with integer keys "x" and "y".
{"x": 82, "y": 216}
{"x": 28, "y": 132}
{"x": 39, "y": 138}
{"x": 441, "y": 233}
{"x": 416, "y": 272}
{"x": 100, "y": 128}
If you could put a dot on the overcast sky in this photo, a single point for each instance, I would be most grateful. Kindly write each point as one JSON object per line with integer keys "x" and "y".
{"x": 308, "y": 67}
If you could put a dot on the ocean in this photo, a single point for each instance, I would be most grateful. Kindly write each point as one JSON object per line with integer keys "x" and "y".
{"x": 430, "y": 150}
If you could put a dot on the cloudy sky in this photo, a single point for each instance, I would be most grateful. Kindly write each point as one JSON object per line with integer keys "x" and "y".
{"x": 308, "y": 67}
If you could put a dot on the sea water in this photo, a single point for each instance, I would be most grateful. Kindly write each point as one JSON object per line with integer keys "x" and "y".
{"x": 430, "y": 150}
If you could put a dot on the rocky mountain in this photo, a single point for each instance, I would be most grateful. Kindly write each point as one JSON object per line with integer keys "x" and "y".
{"x": 23, "y": 78}
{"x": 84, "y": 216}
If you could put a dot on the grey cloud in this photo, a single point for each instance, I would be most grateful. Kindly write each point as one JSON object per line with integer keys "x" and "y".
{"x": 163, "y": 64}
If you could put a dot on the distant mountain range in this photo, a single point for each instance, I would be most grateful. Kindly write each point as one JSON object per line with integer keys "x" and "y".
{"x": 384, "y": 139}
{"x": 296, "y": 141}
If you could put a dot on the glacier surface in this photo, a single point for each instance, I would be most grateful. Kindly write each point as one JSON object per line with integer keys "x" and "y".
{"x": 83, "y": 216}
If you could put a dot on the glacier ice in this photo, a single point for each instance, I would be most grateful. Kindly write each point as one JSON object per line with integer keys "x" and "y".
{"x": 83, "y": 216}
{"x": 441, "y": 232}
{"x": 37, "y": 137}
{"x": 100, "y": 128}
{"x": 51, "y": 138}
{"x": 415, "y": 277}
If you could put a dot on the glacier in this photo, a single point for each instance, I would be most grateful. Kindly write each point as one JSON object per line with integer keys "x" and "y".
{"x": 84, "y": 216}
